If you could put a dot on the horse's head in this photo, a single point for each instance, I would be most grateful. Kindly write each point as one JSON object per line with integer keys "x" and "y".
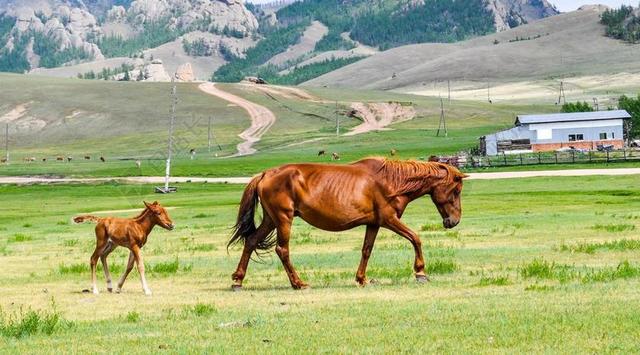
{"x": 159, "y": 215}
{"x": 446, "y": 196}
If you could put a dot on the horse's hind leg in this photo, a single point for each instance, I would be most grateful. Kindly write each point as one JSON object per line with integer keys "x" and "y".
{"x": 101, "y": 242}
{"x": 105, "y": 267}
{"x": 250, "y": 245}
{"x": 126, "y": 272}
{"x": 282, "y": 249}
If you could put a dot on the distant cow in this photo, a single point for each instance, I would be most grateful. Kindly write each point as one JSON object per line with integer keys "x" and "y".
{"x": 321, "y": 153}
{"x": 192, "y": 152}
{"x": 44, "y": 160}
{"x": 59, "y": 158}
{"x": 393, "y": 152}
{"x": 29, "y": 159}
{"x": 69, "y": 159}
{"x": 102, "y": 159}
{"x": 3, "y": 160}
{"x": 87, "y": 157}
{"x": 138, "y": 164}
{"x": 335, "y": 156}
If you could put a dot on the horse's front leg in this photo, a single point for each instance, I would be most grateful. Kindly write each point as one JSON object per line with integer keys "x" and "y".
{"x": 395, "y": 225}
{"x": 367, "y": 247}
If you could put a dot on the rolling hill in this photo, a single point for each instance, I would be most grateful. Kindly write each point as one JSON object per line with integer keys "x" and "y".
{"x": 233, "y": 39}
{"x": 563, "y": 46}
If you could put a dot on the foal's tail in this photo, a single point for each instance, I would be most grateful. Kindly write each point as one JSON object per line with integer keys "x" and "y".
{"x": 245, "y": 225}
{"x": 84, "y": 218}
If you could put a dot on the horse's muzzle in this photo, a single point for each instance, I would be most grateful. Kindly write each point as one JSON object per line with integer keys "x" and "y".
{"x": 449, "y": 223}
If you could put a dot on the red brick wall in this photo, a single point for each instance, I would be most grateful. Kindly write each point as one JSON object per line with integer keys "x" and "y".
{"x": 589, "y": 145}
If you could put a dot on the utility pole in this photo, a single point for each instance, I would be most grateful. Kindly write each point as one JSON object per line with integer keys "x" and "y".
{"x": 172, "y": 119}
{"x": 561, "y": 97}
{"x": 443, "y": 123}
{"x": 489, "y": 92}
{"x": 209, "y": 135}
{"x": 6, "y": 143}
{"x": 595, "y": 104}
{"x": 449, "y": 89}
{"x": 337, "y": 121}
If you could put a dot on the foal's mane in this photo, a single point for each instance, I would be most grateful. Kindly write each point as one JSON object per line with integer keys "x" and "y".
{"x": 409, "y": 175}
{"x": 141, "y": 214}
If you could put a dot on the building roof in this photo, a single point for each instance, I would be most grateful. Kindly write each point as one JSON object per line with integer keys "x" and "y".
{"x": 573, "y": 116}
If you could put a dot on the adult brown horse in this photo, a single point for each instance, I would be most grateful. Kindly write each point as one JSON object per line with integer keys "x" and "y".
{"x": 372, "y": 192}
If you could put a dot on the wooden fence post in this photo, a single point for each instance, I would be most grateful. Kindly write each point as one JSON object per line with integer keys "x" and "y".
{"x": 573, "y": 157}
{"x": 607, "y": 156}
{"x": 556, "y": 154}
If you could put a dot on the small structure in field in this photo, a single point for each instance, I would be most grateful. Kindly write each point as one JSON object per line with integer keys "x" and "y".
{"x": 577, "y": 130}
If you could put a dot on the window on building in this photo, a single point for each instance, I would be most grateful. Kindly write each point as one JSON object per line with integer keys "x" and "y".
{"x": 576, "y": 137}
{"x": 545, "y": 134}
{"x": 613, "y": 135}
{"x": 603, "y": 135}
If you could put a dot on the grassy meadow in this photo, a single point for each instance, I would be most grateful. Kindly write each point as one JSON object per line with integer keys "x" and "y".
{"x": 127, "y": 121}
{"x": 536, "y": 265}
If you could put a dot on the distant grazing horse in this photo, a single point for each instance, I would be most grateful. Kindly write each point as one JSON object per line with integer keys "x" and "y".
{"x": 321, "y": 153}
{"x": 373, "y": 192}
{"x": 130, "y": 233}
{"x": 393, "y": 152}
{"x": 59, "y": 158}
{"x": 87, "y": 157}
{"x": 3, "y": 160}
{"x": 335, "y": 156}
{"x": 102, "y": 159}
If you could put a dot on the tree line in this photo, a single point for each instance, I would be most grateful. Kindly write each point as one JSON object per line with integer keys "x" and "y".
{"x": 622, "y": 23}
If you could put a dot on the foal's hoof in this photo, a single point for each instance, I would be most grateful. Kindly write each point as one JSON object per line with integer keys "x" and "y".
{"x": 422, "y": 279}
{"x": 301, "y": 287}
{"x": 236, "y": 288}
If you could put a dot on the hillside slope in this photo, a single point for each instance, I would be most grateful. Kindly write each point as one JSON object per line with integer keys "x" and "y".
{"x": 565, "y": 45}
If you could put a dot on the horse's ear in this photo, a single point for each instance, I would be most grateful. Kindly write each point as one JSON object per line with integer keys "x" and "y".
{"x": 459, "y": 177}
{"x": 146, "y": 204}
{"x": 155, "y": 203}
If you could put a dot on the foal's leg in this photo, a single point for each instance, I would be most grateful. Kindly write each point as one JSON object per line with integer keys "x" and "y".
{"x": 367, "y": 246}
{"x": 250, "y": 244}
{"x": 138, "y": 255}
{"x": 100, "y": 246}
{"x": 105, "y": 267}
{"x": 397, "y": 226}
{"x": 132, "y": 259}
{"x": 282, "y": 249}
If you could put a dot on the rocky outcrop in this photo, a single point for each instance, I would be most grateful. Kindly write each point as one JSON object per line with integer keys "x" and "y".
{"x": 185, "y": 73}
{"x": 512, "y": 13}
{"x": 210, "y": 15}
{"x": 69, "y": 27}
{"x": 155, "y": 72}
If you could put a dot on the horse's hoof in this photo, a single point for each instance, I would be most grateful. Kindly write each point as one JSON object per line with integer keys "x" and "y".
{"x": 422, "y": 279}
{"x": 301, "y": 287}
{"x": 236, "y": 288}
{"x": 110, "y": 289}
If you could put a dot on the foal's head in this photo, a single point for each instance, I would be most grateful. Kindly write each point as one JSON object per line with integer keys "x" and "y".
{"x": 159, "y": 215}
{"x": 446, "y": 195}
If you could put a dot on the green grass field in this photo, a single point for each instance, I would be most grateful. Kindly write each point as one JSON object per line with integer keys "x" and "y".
{"x": 126, "y": 121}
{"x": 536, "y": 265}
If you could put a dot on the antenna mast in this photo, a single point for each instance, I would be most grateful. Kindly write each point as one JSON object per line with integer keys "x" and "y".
{"x": 442, "y": 126}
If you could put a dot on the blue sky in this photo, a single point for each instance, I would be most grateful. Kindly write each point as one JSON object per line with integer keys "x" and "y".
{"x": 562, "y": 5}
{"x": 570, "y": 5}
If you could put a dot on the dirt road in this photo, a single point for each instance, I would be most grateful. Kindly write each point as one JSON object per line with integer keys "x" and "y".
{"x": 23, "y": 180}
{"x": 377, "y": 116}
{"x": 261, "y": 118}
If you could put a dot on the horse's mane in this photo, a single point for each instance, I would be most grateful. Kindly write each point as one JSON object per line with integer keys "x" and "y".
{"x": 141, "y": 214}
{"x": 406, "y": 176}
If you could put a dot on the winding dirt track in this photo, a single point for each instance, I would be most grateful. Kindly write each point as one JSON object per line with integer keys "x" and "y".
{"x": 261, "y": 118}
{"x": 28, "y": 180}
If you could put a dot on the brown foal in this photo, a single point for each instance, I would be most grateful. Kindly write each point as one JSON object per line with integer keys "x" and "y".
{"x": 130, "y": 233}
{"x": 372, "y": 192}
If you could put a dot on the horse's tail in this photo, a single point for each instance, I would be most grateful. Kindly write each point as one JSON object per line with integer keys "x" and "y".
{"x": 84, "y": 218}
{"x": 245, "y": 224}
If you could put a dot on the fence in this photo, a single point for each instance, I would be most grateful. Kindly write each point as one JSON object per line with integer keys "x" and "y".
{"x": 569, "y": 157}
